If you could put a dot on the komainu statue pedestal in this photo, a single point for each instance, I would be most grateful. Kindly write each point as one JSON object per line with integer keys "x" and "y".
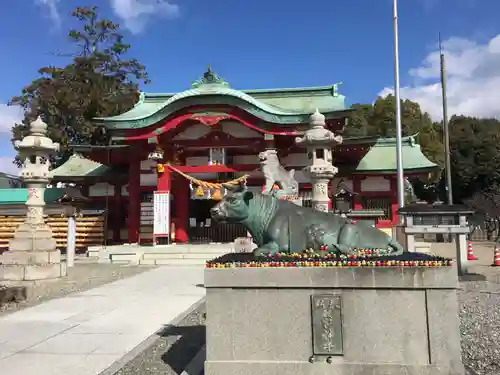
{"x": 332, "y": 320}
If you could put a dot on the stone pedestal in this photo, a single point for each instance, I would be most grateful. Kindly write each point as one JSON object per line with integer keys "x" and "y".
{"x": 338, "y": 321}
{"x": 320, "y": 199}
{"x": 32, "y": 255}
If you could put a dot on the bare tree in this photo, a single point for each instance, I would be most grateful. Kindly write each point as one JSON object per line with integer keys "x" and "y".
{"x": 486, "y": 204}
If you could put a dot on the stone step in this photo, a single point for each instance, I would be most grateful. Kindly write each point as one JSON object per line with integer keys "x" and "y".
{"x": 125, "y": 258}
{"x": 172, "y": 262}
{"x": 93, "y": 254}
{"x": 209, "y": 248}
{"x": 205, "y": 256}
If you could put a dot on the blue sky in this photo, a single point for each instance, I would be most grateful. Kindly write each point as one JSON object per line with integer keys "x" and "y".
{"x": 278, "y": 43}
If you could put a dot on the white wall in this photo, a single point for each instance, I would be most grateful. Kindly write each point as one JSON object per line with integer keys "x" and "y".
{"x": 238, "y": 130}
{"x": 375, "y": 184}
{"x": 195, "y": 131}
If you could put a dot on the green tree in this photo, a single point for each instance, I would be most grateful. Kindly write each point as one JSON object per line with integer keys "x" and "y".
{"x": 359, "y": 121}
{"x": 379, "y": 119}
{"x": 99, "y": 81}
{"x": 475, "y": 155}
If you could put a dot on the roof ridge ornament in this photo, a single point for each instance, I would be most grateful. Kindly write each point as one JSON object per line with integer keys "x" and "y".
{"x": 335, "y": 90}
{"x": 209, "y": 78}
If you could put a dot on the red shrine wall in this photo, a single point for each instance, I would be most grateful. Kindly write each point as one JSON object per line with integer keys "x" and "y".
{"x": 376, "y": 192}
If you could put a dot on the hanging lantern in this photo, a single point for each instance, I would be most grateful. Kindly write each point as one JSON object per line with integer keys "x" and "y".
{"x": 199, "y": 192}
{"x": 216, "y": 195}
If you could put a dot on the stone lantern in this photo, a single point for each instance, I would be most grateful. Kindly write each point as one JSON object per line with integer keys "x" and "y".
{"x": 33, "y": 254}
{"x": 319, "y": 142}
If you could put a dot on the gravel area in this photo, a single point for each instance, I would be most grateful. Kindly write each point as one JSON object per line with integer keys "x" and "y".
{"x": 480, "y": 327}
{"x": 173, "y": 350}
{"x": 82, "y": 277}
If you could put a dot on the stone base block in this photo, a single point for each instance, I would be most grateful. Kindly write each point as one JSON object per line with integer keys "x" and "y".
{"x": 33, "y": 238}
{"x": 342, "y": 321}
{"x": 32, "y": 244}
{"x": 32, "y": 272}
{"x": 303, "y": 368}
{"x": 30, "y": 257}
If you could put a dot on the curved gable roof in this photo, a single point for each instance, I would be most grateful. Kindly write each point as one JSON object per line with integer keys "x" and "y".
{"x": 279, "y": 106}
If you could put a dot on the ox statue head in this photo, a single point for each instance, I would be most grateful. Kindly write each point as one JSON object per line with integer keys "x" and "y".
{"x": 234, "y": 206}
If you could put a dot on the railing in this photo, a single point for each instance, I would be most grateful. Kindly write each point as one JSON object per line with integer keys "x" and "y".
{"x": 383, "y": 204}
{"x": 89, "y": 230}
{"x": 483, "y": 230}
{"x": 218, "y": 233}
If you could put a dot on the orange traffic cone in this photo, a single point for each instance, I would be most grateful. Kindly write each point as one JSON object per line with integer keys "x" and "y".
{"x": 496, "y": 257}
{"x": 470, "y": 253}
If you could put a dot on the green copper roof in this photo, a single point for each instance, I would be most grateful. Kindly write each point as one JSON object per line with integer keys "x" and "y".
{"x": 79, "y": 166}
{"x": 20, "y": 196}
{"x": 286, "y": 106}
{"x": 382, "y": 156}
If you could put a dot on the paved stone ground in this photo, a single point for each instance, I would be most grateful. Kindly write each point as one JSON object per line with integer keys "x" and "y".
{"x": 82, "y": 277}
{"x": 174, "y": 350}
{"x": 88, "y": 332}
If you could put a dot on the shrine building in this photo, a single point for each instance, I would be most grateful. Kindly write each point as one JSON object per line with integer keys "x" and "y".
{"x": 213, "y": 133}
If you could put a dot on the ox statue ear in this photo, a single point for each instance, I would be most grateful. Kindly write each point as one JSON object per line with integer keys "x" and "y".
{"x": 229, "y": 187}
{"x": 240, "y": 187}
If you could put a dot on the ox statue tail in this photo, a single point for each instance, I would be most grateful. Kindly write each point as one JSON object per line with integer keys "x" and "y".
{"x": 397, "y": 249}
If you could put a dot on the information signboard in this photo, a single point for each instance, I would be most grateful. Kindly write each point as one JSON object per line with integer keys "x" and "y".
{"x": 161, "y": 208}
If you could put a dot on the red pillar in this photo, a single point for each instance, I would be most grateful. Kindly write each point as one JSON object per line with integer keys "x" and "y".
{"x": 356, "y": 187}
{"x": 181, "y": 200}
{"x": 394, "y": 196}
{"x": 164, "y": 181}
{"x": 116, "y": 213}
{"x": 134, "y": 204}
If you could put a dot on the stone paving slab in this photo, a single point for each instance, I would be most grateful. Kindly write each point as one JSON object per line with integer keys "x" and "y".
{"x": 85, "y": 333}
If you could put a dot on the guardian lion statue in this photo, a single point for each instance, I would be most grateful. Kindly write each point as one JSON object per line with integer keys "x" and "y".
{"x": 281, "y": 226}
{"x": 275, "y": 173}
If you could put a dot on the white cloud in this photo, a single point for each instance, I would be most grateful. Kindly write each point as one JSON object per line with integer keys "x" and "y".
{"x": 136, "y": 13}
{"x": 7, "y": 165}
{"x": 9, "y": 115}
{"x": 51, "y": 6}
{"x": 473, "y": 79}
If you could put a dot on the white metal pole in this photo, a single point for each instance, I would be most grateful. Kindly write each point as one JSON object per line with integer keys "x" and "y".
{"x": 399, "y": 152}
{"x": 446, "y": 132}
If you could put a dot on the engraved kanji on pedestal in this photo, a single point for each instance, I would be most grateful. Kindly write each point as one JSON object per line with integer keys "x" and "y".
{"x": 319, "y": 142}
{"x": 33, "y": 254}
{"x": 327, "y": 324}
